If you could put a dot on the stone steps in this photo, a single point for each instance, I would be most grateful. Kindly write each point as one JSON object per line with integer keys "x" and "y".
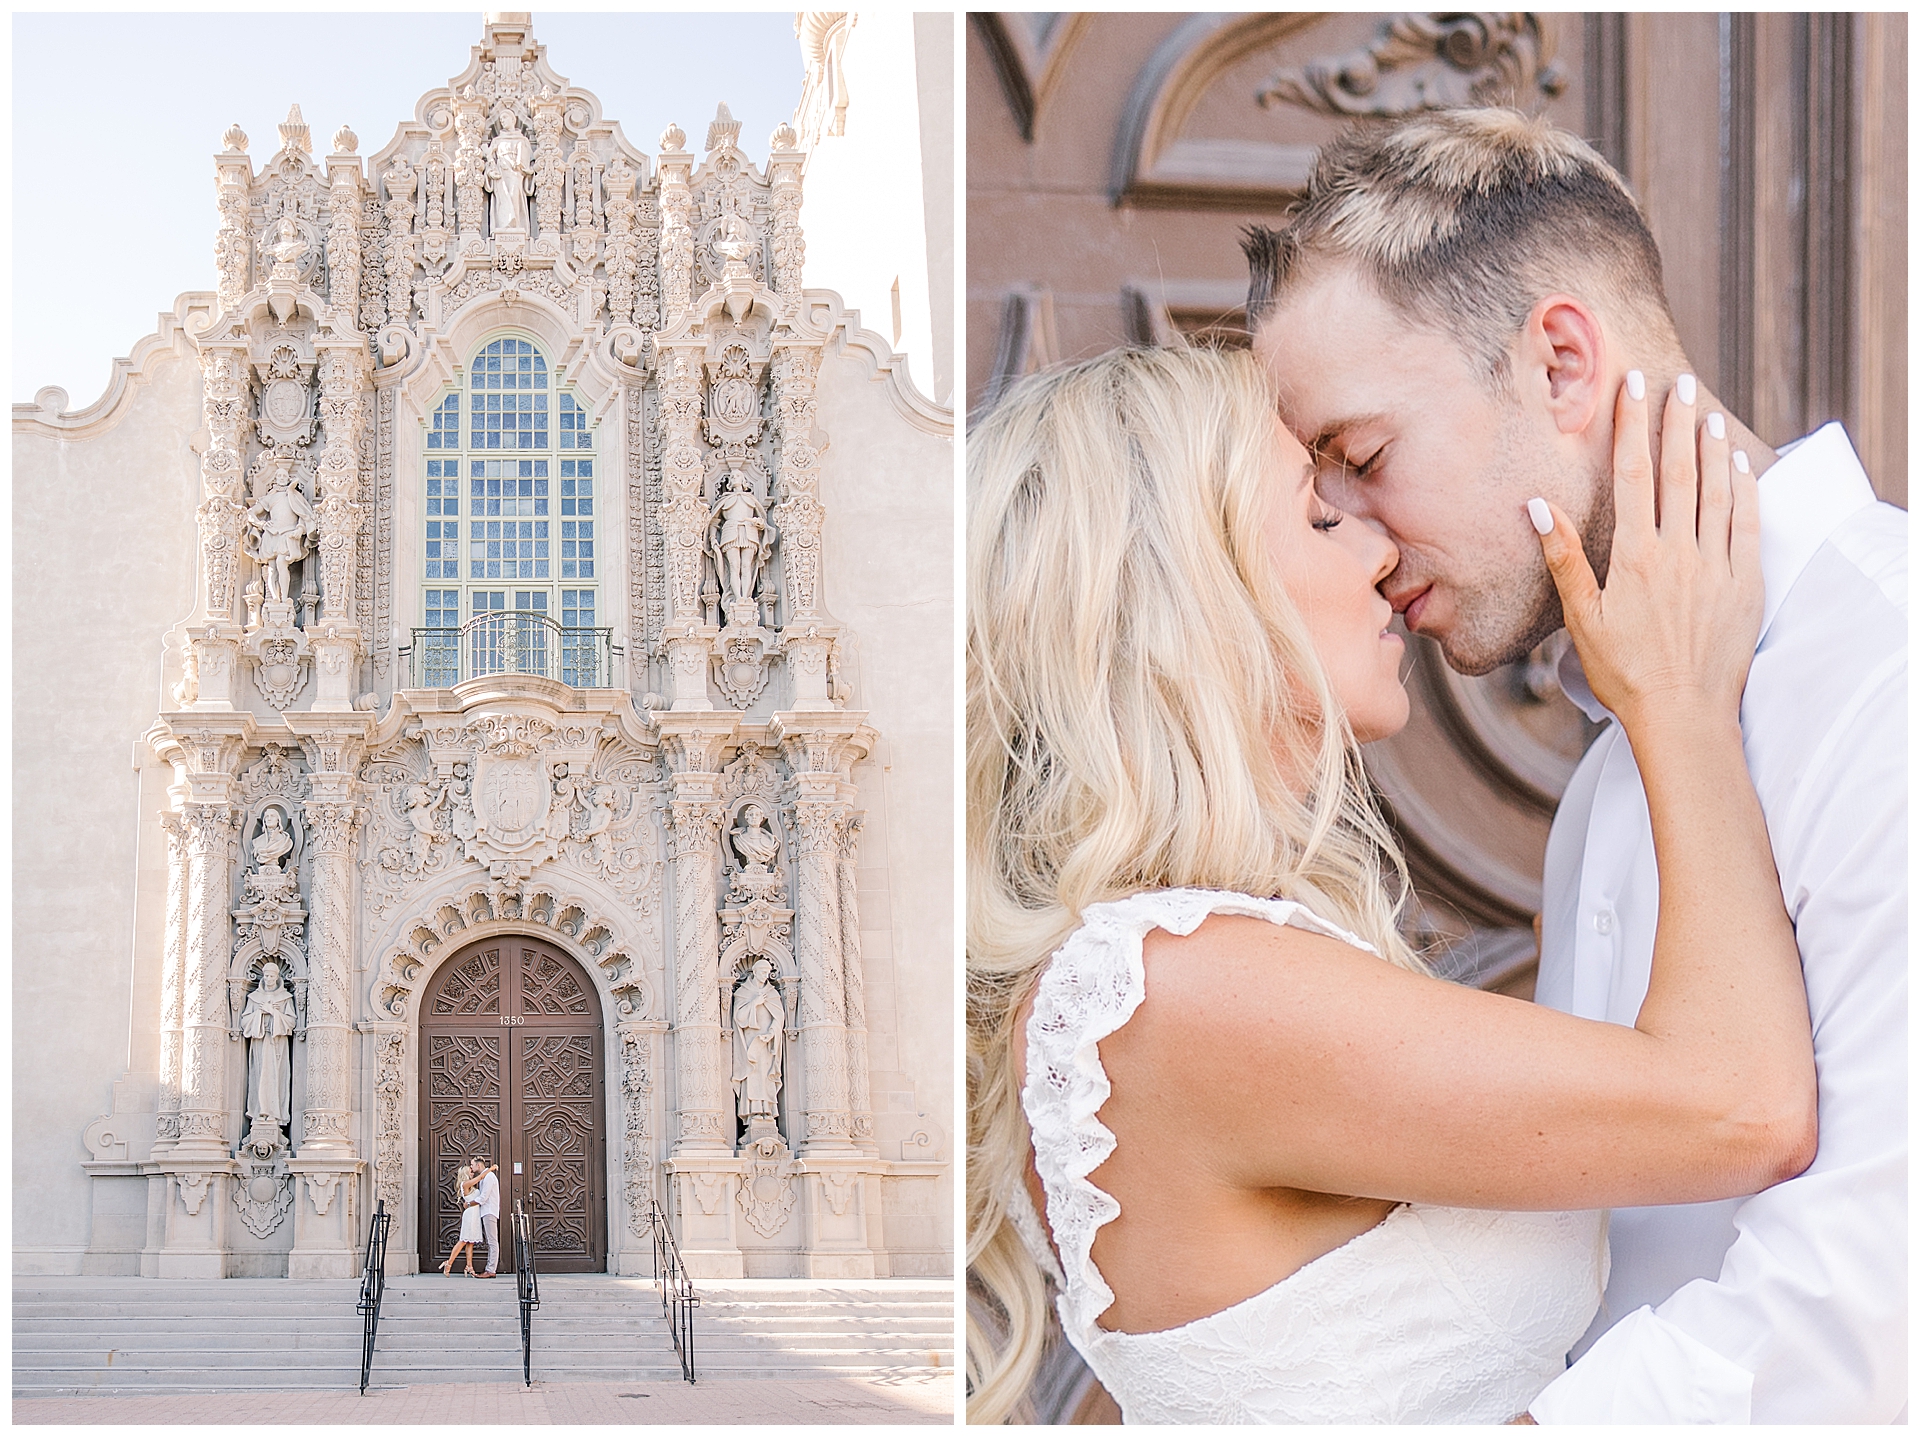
{"x": 128, "y": 1335}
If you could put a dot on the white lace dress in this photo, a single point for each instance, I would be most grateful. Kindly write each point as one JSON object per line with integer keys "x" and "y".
{"x": 1437, "y": 1314}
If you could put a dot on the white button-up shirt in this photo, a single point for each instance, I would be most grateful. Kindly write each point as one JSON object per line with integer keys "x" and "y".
{"x": 1790, "y": 1306}
{"x": 489, "y": 1194}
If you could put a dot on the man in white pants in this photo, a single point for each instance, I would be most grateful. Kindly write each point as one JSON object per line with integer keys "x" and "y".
{"x": 1450, "y": 313}
{"x": 489, "y": 1195}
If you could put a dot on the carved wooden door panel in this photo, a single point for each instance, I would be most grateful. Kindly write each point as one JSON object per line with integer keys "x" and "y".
{"x": 511, "y": 1066}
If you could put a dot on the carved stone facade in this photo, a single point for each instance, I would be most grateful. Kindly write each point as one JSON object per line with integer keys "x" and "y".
{"x": 357, "y": 787}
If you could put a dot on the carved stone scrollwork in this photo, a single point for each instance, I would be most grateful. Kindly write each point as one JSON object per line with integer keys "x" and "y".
{"x": 263, "y": 1192}
{"x": 1429, "y": 62}
{"x": 636, "y": 1100}
{"x": 389, "y": 1137}
{"x": 767, "y": 1191}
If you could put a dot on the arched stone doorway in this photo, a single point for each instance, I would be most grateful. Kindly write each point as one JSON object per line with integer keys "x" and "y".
{"x": 513, "y": 1064}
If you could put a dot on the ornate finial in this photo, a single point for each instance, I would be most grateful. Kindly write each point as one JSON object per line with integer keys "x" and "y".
{"x": 783, "y": 137}
{"x": 345, "y": 142}
{"x": 235, "y": 139}
{"x": 725, "y": 130}
{"x": 673, "y": 138}
{"x": 294, "y": 134}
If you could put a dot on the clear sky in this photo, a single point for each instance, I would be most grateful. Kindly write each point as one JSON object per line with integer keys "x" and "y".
{"x": 117, "y": 117}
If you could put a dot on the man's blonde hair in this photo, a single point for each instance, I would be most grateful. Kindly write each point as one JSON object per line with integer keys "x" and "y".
{"x": 1463, "y": 220}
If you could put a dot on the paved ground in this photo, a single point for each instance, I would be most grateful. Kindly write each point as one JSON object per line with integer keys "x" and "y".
{"x": 846, "y": 1400}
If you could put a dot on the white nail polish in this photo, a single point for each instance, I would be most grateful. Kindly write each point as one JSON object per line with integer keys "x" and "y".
{"x": 1717, "y": 425}
{"x": 1740, "y": 461}
{"x": 1685, "y": 386}
{"x": 1636, "y": 384}
{"x": 1541, "y": 515}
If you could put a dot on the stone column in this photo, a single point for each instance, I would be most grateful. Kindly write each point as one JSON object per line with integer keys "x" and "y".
{"x": 630, "y": 1251}
{"x": 325, "y": 1232}
{"x": 821, "y": 749}
{"x": 190, "y": 1231}
{"x": 859, "y": 1079}
{"x": 686, "y": 639}
{"x": 784, "y": 167}
{"x": 808, "y": 636}
{"x": 823, "y": 1014}
{"x": 344, "y": 196}
{"x": 173, "y": 977}
{"x": 702, "y": 1162}
{"x": 227, "y": 408}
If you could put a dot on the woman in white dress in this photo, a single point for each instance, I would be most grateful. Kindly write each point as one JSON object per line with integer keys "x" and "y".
{"x": 1286, "y": 1175}
{"x": 471, "y": 1231}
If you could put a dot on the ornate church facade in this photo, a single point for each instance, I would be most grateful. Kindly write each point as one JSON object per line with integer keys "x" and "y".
{"x": 542, "y": 616}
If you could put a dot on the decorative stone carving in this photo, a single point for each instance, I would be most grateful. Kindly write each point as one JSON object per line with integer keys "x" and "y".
{"x": 509, "y": 177}
{"x": 636, "y": 1099}
{"x": 279, "y": 526}
{"x": 263, "y": 1192}
{"x": 759, "y": 1045}
{"x": 1428, "y": 62}
{"x": 389, "y": 1138}
{"x": 268, "y": 1024}
{"x": 740, "y": 539}
{"x": 767, "y": 1191}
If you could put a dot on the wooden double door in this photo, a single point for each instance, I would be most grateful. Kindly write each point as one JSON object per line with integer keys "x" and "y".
{"x": 512, "y": 1066}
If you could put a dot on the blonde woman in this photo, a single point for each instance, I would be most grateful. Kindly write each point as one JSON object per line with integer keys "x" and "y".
{"x": 471, "y": 1176}
{"x": 1286, "y": 1176}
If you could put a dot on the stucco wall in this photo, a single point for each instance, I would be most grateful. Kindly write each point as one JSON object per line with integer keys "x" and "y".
{"x": 103, "y": 564}
{"x": 888, "y": 491}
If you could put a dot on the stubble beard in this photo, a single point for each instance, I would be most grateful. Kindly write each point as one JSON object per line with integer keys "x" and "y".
{"x": 1503, "y": 618}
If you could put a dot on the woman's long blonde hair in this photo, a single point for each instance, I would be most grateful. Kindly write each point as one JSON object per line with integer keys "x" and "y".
{"x": 1144, "y": 710}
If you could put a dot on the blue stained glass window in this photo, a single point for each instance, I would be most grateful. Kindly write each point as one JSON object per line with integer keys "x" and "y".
{"x": 499, "y": 466}
{"x": 573, "y": 425}
{"x": 446, "y": 424}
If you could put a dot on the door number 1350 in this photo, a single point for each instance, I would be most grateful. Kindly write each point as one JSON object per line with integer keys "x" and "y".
{"x": 507, "y": 1022}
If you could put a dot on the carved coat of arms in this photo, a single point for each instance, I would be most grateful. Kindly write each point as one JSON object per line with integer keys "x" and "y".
{"x": 512, "y": 793}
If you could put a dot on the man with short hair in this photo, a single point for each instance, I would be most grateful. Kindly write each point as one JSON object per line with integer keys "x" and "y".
{"x": 489, "y": 1194}
{"x": 1450, "y": 313}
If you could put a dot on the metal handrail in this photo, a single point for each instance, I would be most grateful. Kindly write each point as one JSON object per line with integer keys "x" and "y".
{"x": 373, "y": 1287}
{"x": 527, "y": 1280}
{"x": 677, "y": 1297}
{"x": 516, "y": 641}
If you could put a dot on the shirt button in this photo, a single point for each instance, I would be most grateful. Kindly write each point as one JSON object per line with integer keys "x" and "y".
{"x": 1603, "y": 923}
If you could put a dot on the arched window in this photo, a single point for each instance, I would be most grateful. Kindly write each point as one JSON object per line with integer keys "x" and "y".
{"x": 509, "y": 529}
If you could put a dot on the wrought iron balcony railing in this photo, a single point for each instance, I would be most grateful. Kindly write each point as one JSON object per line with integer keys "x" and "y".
{"x": 512, "y": 643}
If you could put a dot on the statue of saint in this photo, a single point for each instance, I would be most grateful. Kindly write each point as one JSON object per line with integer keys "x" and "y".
{"x": 278, "y": 527}
{"x": 509, "y": 176}
{"x": 267, "y": 1024}
{"x": 754, "y": 839}
{"x": 740, "y": 538}
{"x": 272, "y": 844}
{"x": 759, "y": 1020}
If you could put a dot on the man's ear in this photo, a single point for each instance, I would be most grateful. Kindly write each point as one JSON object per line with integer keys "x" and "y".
{"x": 1563, "y": 351}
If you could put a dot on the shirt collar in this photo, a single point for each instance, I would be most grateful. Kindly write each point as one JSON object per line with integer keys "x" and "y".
{"x": 1813, "y": 488}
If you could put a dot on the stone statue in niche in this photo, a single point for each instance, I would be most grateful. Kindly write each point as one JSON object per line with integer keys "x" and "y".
{"x": 754, "y": 839}
{"x": 735, "y": 245}
{"x": 279, "y": 526}
{"x": 267, "y": 1023}
{"x": 740, "y": 538}
{"x": 272, "y": 844}
{"x": 759, "y": 1033}
{"x": 289, "y": 247}
{"x": 509, "y": 176}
